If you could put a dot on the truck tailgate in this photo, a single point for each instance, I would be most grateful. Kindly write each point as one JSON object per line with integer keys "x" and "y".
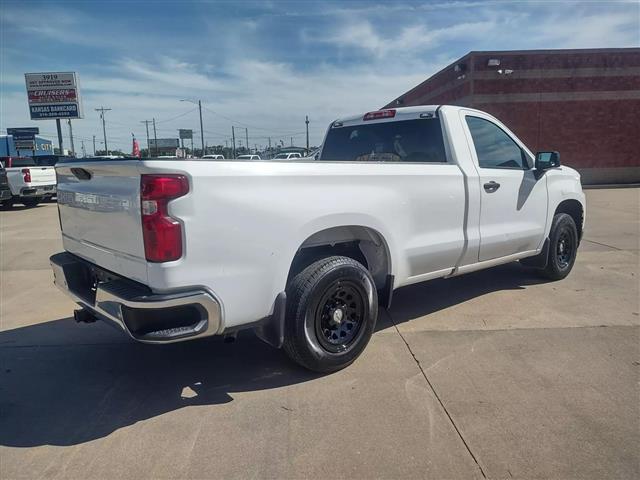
{"x": 99, "y": 205}
{"x": 42, "y": 176}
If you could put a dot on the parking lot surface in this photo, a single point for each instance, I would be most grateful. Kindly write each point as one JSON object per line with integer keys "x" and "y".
{"x": 496, "y": 374}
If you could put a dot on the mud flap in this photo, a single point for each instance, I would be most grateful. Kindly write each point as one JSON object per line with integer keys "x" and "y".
{"x": 540, "y": 260}
{"x": 271, "y": 329}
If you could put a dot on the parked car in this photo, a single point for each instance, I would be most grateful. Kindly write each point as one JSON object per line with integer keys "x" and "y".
{"x": 29, "y": 183}
{"x": 214, "y": 157}
{"x": 306, "y": 252}
{"x": 287, "y": 156}
{"x": 249, "y": 157}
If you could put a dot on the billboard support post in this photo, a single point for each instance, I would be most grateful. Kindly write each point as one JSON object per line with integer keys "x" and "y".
{"x": 59, "y": 127}
{"x": 73, "y": 149}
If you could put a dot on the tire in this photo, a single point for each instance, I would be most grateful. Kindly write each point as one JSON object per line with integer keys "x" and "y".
{"x": 7, "y": 204}
{"x": 31, "y": 202}
{"x": 563, "y": 247}
{"x": 332, "y": 308}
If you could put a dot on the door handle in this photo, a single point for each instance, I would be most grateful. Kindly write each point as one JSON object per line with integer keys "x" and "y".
{"x": 491, "y": 186}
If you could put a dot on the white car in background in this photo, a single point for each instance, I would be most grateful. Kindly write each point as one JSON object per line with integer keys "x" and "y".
{"x": 249, "y": 157}
{"x": 287, "y": 156}
{"x": 214, "y": 157}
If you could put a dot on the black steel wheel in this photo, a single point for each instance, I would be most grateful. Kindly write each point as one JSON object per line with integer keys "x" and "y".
{"x": 340, "y": 315}
{"x": 563, "y": 247}
{"x": 332, "y": 307}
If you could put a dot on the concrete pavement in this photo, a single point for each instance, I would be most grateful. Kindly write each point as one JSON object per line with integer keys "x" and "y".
{"x": 496, "y": 374}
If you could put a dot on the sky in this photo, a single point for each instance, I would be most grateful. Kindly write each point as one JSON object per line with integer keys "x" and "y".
{"x": 265, "y": 65}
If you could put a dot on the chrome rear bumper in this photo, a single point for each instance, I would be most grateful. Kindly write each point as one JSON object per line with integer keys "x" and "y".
{"x": 147, "y": 317}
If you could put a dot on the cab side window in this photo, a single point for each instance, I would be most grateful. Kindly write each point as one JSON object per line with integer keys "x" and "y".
{"x": 494, "y": 148}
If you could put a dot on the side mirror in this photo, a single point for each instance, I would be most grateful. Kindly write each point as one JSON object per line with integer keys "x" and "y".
{"x": 547, "y": 160}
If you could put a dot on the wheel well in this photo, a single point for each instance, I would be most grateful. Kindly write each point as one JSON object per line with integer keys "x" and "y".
{"x": 363, "y": 244}
{"x": 574, "y": 209}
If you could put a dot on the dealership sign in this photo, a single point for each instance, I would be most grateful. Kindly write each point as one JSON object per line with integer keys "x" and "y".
{"x": 164, "y": 143}
{"x": 53, "y": 95}
{"x": 24, "y": 138}
{"x": 185, "y": 134}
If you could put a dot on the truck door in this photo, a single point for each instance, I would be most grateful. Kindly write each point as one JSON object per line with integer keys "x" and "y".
{"x": 513, "y": 202}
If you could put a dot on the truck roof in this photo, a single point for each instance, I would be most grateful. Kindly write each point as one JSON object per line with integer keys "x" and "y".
{"x": 402, "y": 113}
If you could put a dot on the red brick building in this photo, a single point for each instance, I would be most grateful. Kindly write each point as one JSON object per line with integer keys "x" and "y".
{"x": 583, "y": 103}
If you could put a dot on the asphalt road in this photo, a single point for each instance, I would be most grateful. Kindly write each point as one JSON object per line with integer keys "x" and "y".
{"x": 496, "y": 374}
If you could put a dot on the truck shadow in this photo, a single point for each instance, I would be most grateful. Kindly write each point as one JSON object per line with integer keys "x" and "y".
{"x": 67, "y": 384}
{"x": 426, "y": 298}
{"x": 61, "y": 388}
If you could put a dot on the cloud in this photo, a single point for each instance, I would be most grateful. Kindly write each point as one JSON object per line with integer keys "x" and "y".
{"x": 267, "y": 66}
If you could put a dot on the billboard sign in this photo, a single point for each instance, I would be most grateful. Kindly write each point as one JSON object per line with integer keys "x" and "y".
{"x": 53, "y": 95}
{"x": 25, "y": 133}
{"x": 185, "y": 134}
{"x": 24, "y": 138}
{"x": 164, "y": 143}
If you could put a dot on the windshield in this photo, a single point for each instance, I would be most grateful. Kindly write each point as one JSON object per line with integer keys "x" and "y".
{"x": 417, "y": 140}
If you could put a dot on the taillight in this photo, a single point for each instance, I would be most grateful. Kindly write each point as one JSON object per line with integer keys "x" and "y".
{"x": 162, "y": 233}
{"x": 380, "y": 114}
{"x": 27, "y": 175}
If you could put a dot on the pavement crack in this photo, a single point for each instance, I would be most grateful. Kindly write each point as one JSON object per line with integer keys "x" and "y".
{"x": 435, "y": 393}
{"x": 602, "y": 244}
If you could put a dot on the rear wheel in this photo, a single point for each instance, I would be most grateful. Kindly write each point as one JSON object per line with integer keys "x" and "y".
{"x": 332, "y": 307}
{"x": 563, "y": 247}
{"x": 31, "y": 202}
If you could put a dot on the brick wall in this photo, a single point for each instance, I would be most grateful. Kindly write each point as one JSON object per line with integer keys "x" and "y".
{"x": 583, "y": 103}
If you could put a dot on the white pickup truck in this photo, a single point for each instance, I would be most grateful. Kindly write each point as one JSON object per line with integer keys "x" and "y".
{"x": 304, "y": 251}
{"x": 29, "y": 183}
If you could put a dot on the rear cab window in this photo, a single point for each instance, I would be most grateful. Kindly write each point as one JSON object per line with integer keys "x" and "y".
{"x": 417, "y": 140}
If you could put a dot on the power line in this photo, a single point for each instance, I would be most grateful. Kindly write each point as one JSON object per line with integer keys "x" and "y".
{"x": 177, "y": 116}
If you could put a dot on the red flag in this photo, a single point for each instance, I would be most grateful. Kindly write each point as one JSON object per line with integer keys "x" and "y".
{"x": 136, "y": 148}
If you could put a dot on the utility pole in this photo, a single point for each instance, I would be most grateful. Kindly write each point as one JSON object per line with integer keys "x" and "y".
{"x": 201, "y": 130}
{"x": 104, "y": 128}
{"x": 269, "y": 147}
{"x": 94, "y": 145}
{"x": 306, "y": 120}
{"x": 59, "y": 128}
{"x": 292, "y": 141}
{"x": 246, "y": 132}
{"x": 155, "y": 137}
{"x": 233, "y": 136}
{"x": 73, "y": 149}
{"x": 146, "y": 124}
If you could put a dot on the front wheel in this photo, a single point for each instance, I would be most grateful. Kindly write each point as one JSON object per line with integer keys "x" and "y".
{"x": 332, "y": 307}
{"x": 563, "y": 247}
